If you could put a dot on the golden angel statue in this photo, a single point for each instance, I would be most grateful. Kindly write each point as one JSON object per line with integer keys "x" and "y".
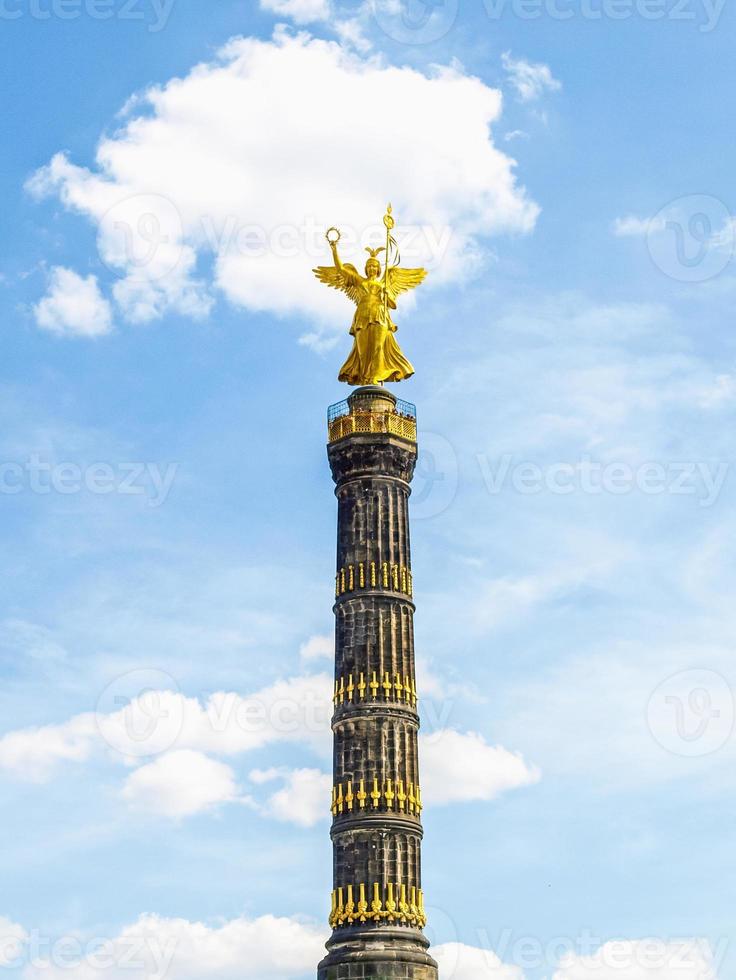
{"x": 375, "y": 357}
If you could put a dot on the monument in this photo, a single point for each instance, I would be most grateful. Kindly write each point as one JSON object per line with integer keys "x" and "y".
{"x": 377, "y": 907}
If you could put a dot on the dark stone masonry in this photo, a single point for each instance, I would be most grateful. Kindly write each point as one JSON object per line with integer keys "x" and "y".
{"x": 377, "y": 908}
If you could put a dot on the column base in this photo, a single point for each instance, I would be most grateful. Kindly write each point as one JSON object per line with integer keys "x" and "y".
{"x": 385, "y": 958}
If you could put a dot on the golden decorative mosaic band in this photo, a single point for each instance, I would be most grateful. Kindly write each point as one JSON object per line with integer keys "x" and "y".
{"x": 392, "y": 795}
{"x": 373, "y": 575}
{"x": 383, "y": 422}
{"x": 395, "y": 903}
{"x": 398, "y": 691}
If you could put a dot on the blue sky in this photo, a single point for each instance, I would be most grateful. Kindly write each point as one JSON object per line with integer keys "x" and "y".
{"x": 168, "y": 508}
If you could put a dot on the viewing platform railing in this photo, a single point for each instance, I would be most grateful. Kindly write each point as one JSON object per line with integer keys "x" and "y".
{"x": 401, "y": 421}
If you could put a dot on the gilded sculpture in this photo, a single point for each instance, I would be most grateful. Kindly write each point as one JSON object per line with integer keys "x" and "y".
{"x": 376, "y": 356}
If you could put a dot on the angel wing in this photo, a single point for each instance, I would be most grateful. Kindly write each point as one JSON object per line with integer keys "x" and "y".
{"x": 347, "y": 279}
{"x": 402, "y": 280}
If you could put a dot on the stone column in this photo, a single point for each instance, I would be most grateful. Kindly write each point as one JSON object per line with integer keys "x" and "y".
{"x": 377, "y": 909}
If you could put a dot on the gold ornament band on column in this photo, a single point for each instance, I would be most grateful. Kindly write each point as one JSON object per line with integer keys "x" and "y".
{"x": 392, "y": 796}
{"x": 373, "y": 575}
{"x": 355, "y": 688}
{"x": 393, "y": 904}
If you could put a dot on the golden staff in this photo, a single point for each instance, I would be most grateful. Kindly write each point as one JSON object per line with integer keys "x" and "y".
{"x": 390, "y": 224}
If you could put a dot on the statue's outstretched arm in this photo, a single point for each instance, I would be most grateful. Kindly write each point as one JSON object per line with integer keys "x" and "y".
{"x": 335, "y": 256}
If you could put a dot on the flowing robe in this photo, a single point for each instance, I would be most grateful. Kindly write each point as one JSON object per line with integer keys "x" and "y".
{"x": 376, "y": 356}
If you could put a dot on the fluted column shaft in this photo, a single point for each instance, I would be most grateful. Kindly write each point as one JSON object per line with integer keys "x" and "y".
{"x": 377, "y": 902}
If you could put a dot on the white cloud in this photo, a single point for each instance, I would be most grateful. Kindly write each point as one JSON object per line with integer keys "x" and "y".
{"x": 12, "y": 940}
{"x": 303, "y": 800}
{"x": 73, "y": 306}
{"x": 169, "y": 736}
{"x": 646, "y": 959}
{"x": 352, "y": 31}
{"x": 261, "y": 776}
{"x": 236, "y": 161}
{"x": 633, "y": 227}
{"x": 459, "y": 962}
{"x": 33, "y": 753}
{"x": 318, "y": 648}
{"x": 459, "y": 767}
{"x": 180, "y": 784}
{"x": 266, "y": 948}
{"x": 531, "y": 81}
{"x": 300, "y": 11}
{"x": 183, "y": 731}
{"x": 294, "y": 710}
